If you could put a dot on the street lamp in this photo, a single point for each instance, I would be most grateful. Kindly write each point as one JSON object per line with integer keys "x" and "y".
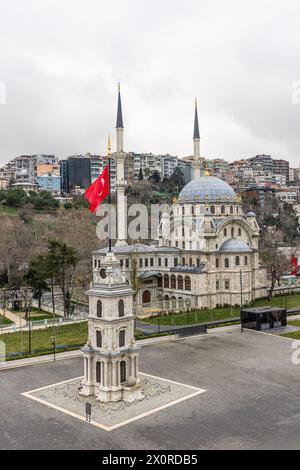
{"x": 188, "y": 304}
{"x": 241, "y": 286}
{"x": 27, "y": 314}
{"x": 53, "y": 339}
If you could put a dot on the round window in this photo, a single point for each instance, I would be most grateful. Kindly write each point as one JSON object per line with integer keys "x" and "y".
{"x": 103, "y": 273}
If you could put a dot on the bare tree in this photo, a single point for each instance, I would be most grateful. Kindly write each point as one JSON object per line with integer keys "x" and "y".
{"x": 274, "y": 260}
{"x": 15, "y": 248}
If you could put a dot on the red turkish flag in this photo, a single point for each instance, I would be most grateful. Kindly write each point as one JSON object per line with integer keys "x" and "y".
{"x": 98, "y": 191}
{"x": 294, "y": 265}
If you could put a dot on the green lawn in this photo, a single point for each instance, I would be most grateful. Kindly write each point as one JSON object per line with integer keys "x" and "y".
{"x": 294, "y": 322}
{"x": 5, "y": 321}
{"x": 294, "y": 335}
{"x": 68, "y": 335}
{"x": 36, "y": 314}
{"x": 221, "y": 313}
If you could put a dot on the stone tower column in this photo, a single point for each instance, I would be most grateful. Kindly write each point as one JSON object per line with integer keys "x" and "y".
{"x": 111, "y": 350}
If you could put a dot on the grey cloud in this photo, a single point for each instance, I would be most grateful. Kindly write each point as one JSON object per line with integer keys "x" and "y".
{"x": 61, "y": 62}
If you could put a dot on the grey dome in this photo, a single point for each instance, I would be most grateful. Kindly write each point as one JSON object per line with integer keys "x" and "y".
{"x": 233, "y": 245}
{"x": 251, "y": 214}
{"x": 207, "y": 188}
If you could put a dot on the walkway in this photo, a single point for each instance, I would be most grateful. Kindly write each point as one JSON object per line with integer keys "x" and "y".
{"x": 20, "y": 322}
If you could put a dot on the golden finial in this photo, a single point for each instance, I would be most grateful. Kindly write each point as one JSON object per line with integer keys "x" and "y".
{"x": 206, "y": 171}
{"x": 119, "y": 87}
{"x": 108, "y": 146}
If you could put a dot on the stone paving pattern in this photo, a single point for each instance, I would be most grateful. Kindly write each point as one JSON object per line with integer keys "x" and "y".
{"x": 157, "y": 392}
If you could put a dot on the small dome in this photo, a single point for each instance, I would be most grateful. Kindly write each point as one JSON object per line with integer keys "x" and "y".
{"x": 234, "y": 245}
{"x": 251, "y": 214}
{"x": 207, "y": 189}
{"x": 131, "y": 381}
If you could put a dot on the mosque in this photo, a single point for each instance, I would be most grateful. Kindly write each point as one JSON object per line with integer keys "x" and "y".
{"x": 206, "y": 252}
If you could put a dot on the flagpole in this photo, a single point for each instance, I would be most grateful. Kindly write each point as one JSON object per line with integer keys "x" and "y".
{"x": 109, "y": 198}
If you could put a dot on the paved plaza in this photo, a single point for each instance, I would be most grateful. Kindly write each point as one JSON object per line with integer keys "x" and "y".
{"x": 251, "y": 399}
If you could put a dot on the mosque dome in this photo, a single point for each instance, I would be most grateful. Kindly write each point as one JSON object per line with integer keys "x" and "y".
{"x": 207, "y": 189}
{"x": 234, "y": 245}
{"x": 251, "y": 214}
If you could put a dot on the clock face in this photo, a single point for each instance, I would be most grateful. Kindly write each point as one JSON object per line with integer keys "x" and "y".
{"x": 116, "y": 272}
{"x": 103, "y": 273}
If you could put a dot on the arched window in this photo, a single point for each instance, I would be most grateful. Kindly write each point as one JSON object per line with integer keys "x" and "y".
{"x": 121, "y": 308}
{"x": 121, "y": 338}
{"x": 193, "y": 210}
{"x": 222, "y": 209}
{"x": 217, "y": 263}
{"x": 225, "y": 232}
{"x": 246, "y": 260}
{"x": 180, "y": 283}
{"x": 240, "y": 232}
{"x": 183, "y": 245}
{"x": 213, "y": 209}
{"x": 191, "y": 262}
{"x": 198, "y": 262}
{"x": 231, "y": 209}
{"x": 159, "y": 282}
{"x": 232, "y": 232}
{"x": 146, "y": 297}
{"x": 99, "y": 339}
{"x": 226, "y": 262}
{"x": 173, "y": 282}
{"x": 99, "y": 309}
{"x": 183, "y": 210}
{"x": 183, "y": 261}
{"x": 122, "y": 372}
{"x": 187, "y": 283}
{"x": 166, "y": 281}
{"x": 98, "y": 372}
{"x": 237, "y": 260}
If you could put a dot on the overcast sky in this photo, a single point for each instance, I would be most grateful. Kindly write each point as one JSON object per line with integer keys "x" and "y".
{"x": 61, "y": 61}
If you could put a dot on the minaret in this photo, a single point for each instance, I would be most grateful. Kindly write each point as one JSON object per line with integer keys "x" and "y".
{"x": 120, "y": 183}
{"x": 119, "y": 125}
{"x": 111, "y": 369}
{"x": 196, "y": 138}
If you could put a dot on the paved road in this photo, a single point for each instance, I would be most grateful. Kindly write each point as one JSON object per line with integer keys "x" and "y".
{"x": 252, "y": 399}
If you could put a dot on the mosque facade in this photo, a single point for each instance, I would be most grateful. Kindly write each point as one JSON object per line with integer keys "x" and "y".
{"x": 206, "y": 251}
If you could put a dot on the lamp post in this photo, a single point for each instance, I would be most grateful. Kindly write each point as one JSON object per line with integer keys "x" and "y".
{"x": 188, "y": 304}
{"x": 27, "y": 310}
{"x": 241, "y": 311}
{"x": 53, "y": 339}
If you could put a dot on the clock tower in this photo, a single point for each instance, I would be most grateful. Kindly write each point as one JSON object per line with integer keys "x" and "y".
{"x": 111, "y": 354}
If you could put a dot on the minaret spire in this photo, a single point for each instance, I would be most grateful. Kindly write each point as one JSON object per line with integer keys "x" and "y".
{"x": 119, "y": 124}
{"x": 196, "y": 139}
{"x": 196, "y": 123}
